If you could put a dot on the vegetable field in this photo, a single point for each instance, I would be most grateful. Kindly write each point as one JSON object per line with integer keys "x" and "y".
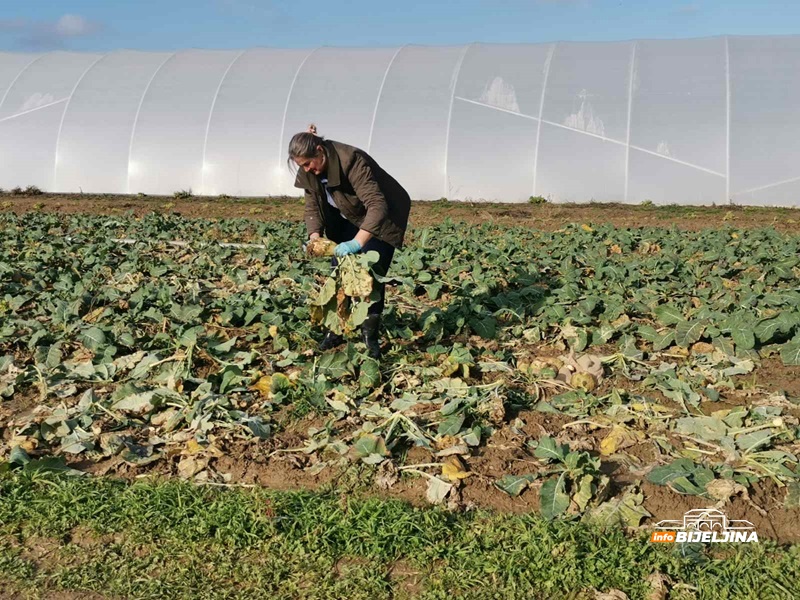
{"x": 613, "y": 375}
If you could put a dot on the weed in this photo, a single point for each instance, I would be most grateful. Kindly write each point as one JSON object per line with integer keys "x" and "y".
{"x": 537, "y": 200}
{"x": 224, "y": 197}
{"x": 259, "y": 543}
{"x": 647, "y": 204}
{"x": 182, "y": 194}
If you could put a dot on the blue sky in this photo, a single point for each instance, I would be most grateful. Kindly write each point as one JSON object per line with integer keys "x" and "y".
{"x": 173, "y": 24}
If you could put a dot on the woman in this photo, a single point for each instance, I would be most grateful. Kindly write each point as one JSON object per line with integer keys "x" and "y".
{"x": 355, "y": 203}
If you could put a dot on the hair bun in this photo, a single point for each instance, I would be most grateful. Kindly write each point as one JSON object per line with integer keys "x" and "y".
{"x": 312, "y": 129}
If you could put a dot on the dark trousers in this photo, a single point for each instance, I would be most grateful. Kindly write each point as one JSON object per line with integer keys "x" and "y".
{"x": 341, "y": 230}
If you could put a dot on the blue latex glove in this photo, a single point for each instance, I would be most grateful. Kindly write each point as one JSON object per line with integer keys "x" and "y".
{"x": 346, "y": 248}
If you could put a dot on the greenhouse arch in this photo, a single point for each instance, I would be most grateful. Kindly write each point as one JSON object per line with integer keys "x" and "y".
{"x": 697, "y": 121}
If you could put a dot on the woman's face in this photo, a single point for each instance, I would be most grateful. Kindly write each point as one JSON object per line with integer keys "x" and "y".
{"x": 317, "y": 164}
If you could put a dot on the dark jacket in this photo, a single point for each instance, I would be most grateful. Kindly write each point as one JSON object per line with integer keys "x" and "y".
{"x": 365, "y": 194}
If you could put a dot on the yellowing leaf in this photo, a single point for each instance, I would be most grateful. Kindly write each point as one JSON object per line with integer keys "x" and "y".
{"x": 92, "y": 316}
{"x": 193, "y": 447}
{"x": 356, "y": 280}
{"x": 586, "y": 228}
{"x": 619, "y": 437}
{"x": 320, "y": 247}
{"x": 454, "y": 469}
{"x": 583, "y": 381}
{"x": 262, "y": 386}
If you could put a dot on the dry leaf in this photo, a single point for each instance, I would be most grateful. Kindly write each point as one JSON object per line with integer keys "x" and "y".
{"x": 658, "y": 586}
{"x": 189, "y": 466}
{"x": 611, "y": 595}
{"x": 320, "y": 247}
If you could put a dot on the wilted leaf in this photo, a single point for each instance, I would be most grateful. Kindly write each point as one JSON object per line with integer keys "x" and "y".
{"x": 792, "y": 499}
{"x": 623, "y": 511}
{"x": 369, "y": 444}
{"x": 356, "y": 280}
{"x": 437, "y": 490}
{"x": 137, "y": 404}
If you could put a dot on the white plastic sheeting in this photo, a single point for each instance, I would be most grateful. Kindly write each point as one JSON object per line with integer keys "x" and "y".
{"x": 697, "y": 121}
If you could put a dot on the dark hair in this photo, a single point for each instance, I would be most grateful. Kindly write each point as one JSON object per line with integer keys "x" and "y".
{"x": 304, "y": 144}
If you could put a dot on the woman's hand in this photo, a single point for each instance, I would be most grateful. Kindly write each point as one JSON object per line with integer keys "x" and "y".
{"x": 346, "y": 248}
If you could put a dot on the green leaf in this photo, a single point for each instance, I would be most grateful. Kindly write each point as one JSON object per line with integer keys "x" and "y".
{"x": 790, "y": 352}
{"x": 327, "y": 292}
{"x": 451, "y": 425}
{"x": 660, "y": 340}
{"x": 18, "y": 456}
{"x": 668, "y": 314}
{"x": 258, "y": 428}
{"x": 553, "y": 497}
{"x": 335, "y": 365}
{"x": 513, "y": 485}
{"x": 369, "y": 444}
{"x": 743, "y": 337}
{"x": 688, "y": 332}
{"x": 583, "y": 495}
{"x": 93, "y": 338}
{"x": 549, "y": 450}
{"x": 50, "y": 464}
{"x": 724, "y": 345}
{"x": 359, "y": 313}
{"x": 485, "y": 327}
{"x": 749, "y": 441}
{"x": 370, "y": 374}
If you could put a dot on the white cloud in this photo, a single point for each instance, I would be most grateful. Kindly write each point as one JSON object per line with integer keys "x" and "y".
{"x": 48, "y": 35}
{"x": 74, "y": 26}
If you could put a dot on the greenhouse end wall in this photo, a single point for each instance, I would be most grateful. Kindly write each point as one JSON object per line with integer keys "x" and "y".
{"x": 700, "y": 121}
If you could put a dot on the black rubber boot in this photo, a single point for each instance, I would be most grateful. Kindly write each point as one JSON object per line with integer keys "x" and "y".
{"x": 369, "y": 335}
{"x": 331, "y": 340}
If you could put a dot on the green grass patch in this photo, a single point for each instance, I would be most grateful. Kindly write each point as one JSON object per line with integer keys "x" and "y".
{"x": 171, "y": 539}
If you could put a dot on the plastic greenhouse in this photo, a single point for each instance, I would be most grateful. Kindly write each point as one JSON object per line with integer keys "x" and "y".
{"x": 696, "y": 121}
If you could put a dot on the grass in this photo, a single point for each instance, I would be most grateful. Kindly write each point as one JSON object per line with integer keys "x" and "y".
{"x": 172, "y": 539}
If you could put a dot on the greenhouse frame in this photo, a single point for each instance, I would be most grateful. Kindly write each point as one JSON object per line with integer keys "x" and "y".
{"x": 694, "y": 121}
